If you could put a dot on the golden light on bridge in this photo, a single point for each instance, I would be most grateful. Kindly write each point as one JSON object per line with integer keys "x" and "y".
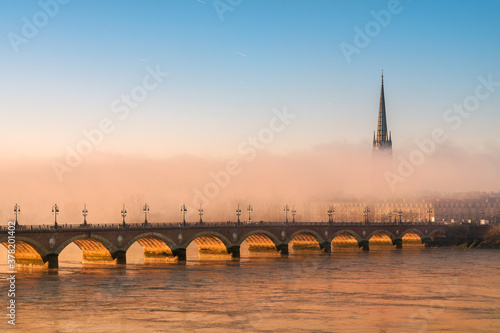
{"x": 93, "y": 251}
{"x": 154, "y": 248}
{"x": 260, "y": 242}
{"x": 344, "y": 240}
{"x": 26, "y": 254}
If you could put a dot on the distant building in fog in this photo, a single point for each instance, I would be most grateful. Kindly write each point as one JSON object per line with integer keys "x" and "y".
{"x": 469, "y": 207}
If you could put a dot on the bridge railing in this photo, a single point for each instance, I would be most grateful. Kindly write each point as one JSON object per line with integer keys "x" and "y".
{"x": 176, "y": 225}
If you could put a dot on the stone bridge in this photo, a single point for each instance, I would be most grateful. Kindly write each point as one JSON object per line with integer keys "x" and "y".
{"x": 38, "y": 245}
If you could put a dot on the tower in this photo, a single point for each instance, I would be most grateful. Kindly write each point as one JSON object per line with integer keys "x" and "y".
{"x": 382, "y": 150}
{"x": 382, "y": 141}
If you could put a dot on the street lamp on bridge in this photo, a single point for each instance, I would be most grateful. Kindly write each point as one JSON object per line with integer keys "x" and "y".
{"x": 366, "y": 212}
{"x": 17, "y": 210}
{"x": 238, "y": 213}
{"x": 400, "y": 214}
{"x": 145, "y": 209}
{"x": 200, "y": 212}
{"x": 330, "y": 212}
{"x": 249, "y": 210}
{"x": 124, "y": 214}
{"x": 183, "y": 211}
{"x": 294, "y": 212}
{"x": 85, "y": 213}
{"x": 286, "y": 210}
{"x": 429, "y": 212}
{"x": 390, "y": 217}
{"x": 55, "y": 212}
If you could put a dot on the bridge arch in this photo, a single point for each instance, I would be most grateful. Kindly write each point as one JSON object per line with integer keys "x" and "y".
{"x": 210, "y": 242}
{"x": 155, "y": 245}
{"x": 94, "y": 247}
{"x": 265, "y": 233}
{"x": 309, "y": 236}
{"x": 260, "y": 240}
{"x": 346, "y": 231}
{"x": 344, "y": 239}
{"x": 413, "y": 230}
{"x": 168, "y": 242}
{"x": 381, "y": 231}
{"x": 436, "y": 231}
{"x": 28, "y": 251}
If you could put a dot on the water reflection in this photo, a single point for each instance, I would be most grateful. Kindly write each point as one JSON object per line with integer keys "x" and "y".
{"x": 383, "y": 290}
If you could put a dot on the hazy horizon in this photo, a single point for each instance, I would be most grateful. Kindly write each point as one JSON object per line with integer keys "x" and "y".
{"x": 145, "y": 102}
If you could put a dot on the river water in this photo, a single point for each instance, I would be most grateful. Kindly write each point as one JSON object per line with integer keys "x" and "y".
{"x": 415, "y": 289}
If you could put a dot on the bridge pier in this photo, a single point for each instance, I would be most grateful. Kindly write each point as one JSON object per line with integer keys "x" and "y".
{"x": 234, "y": 251}
{"x": 283, "y": 249}
{"x": 398, "y": 242}
{"x": 121, "y": 257}
{"x": 180, "y": 253}
{"x": 364, "y": 244}
{"x": 53, "y": 260}
{"x": 426, "y": 241}
{"x": 326, "y": 247}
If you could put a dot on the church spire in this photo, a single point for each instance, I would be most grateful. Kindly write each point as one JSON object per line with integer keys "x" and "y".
{"x": 382, "y": 122}
{"x": 383, "y": 139}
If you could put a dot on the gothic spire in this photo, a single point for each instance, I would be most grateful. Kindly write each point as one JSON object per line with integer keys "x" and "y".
{"x": 382, "y": 122}
{"x": 383, "y": 138}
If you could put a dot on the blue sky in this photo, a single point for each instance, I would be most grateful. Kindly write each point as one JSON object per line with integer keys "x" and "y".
{"x": 226, "y": 76}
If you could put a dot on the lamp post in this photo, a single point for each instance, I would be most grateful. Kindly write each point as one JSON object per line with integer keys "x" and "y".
{"x": 400, "y": 213}
{"x": 366, "y": 212}
{"x": 294, "y": 212}
{"x": 85, "y": 213}
{"x": 390, "y": 217}
{"x": 145, "y": 209}
{"x": 330, "y": 214}
{"x": 183, "y": 211}
{"x": 249, "y": 210}
{"x": 238, "y": 213}
{"x": 17, "y": 210}
{"x": 200, "y": 212}
{"x": 124, "y": 214}
{"x": 429, "y": 211}
{"x": 286, "y": 210}
{"x": 55, "y": 212}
